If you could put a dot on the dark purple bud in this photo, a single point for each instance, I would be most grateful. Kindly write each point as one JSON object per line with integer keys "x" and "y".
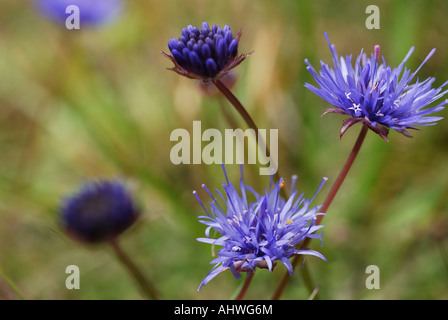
{"x": 205, "y": 28}
{"x": 185, "y": 33}
{"x": 210, "y": 42}
{"x": 233, "y": 48}
{"x": 193, "y": 30}
{"x": 222, "y": 52}
{"x": 198, "y": 49}
{"x": 212, "y": 69}
{"x": 186, "y": 53}
{"x": 196, "y": 31}
{"x": 218, "y": 38}
{"x": 190, "y": 44}
{"x": 101, "y": 13}
{"x": 196, "y": 62}
{"x": 179, "y": 57}
{"x": 172, "y": 44}
{"x": 228, "y": 36}
{"x": 206, "y": 52}
{"x": 99, "y": 212}
{"x": 180, "y": 46}
{"x": 193, "y": 36}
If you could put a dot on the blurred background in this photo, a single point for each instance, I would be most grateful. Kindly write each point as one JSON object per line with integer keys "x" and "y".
{"x": 99, "y": 103}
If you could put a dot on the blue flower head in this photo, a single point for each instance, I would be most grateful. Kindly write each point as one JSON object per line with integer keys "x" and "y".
{"x": 99, "y": 212}
{"x": 91, "y": 12}
{"x": 205, "y": 54}
{"x": 257, "y": 229}
{"x": 376, "y": 95}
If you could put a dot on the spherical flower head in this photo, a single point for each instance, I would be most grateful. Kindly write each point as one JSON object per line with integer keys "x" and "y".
{"x": 376, "y": 95}
{"x": 91, "y": 12}
{"x": 98, "y": 212}
{"x": 205, "y": 54}
{"x": 257, "y": 229}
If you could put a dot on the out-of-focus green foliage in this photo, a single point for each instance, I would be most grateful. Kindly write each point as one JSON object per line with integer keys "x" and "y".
{"x": 99, "y": 103}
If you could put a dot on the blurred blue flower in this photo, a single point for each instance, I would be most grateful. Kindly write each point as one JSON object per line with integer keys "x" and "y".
{"x": 206, "y": 54}
{"x": 255, "y": 233}
{"x": 91, "y": 12}
{"x": 375, "y": 94}
{"x": 99, "y": 212}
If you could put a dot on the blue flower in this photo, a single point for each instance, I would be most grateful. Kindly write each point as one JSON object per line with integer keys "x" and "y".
{"x": 91, "y": 12}
{"x": 99, "y": 212}
{"x": 376, "y": 95}
{"x": 257, "y": 229}
{"x": 206, "y": 54}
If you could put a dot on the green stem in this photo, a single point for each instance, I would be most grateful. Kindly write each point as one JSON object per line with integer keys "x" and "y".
{"x": 147, "y": 288}
{"x": 308, "y": 281}
{"x": 12, "y": 285}
{"x": 334, "y": 189}
{"x": 314, "y": 294}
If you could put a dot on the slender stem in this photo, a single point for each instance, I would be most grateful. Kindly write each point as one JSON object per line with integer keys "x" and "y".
{"x": 146, "y": 286}
{"x": 246, "y": 116}
{"x": 343, "y": 173}
{"x": 250, "y": 275}
{"x": 334, "y": 189}
{"x": 314, "y": 294}
{"x": 236, "y": 103}
{"x": 230, "y": 120}
{"x": 12, "y": 285}
{"x": 306, "y": 276}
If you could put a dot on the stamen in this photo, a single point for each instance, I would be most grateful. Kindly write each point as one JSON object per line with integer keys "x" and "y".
{"x": 200, "y": 202}
{"x": 377, "y": 51}
{"x": 347, "y": 94}
{"x": 293, "y": 183}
